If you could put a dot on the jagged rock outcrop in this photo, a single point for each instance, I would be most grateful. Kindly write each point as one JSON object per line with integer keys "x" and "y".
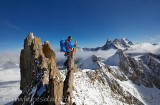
{"x": 68, "y": 83}
{"x": 133, "y": 69}
{"x": 104, "y": 74}
{"x": 152, "y": 65}
{"x": 41, "y": 82}
{"x": 144, "y": 70}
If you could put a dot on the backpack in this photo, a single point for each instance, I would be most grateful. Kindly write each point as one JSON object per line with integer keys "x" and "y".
{"x": 63, "y": 46}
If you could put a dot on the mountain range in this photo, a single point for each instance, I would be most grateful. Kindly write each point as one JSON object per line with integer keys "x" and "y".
{"x": 122, "y": 43}
{"x": 118, "y": 73}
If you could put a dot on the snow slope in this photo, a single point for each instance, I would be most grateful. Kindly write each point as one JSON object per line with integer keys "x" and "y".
{"x": 87, "y": 92}
{"x": 149, "y": 96}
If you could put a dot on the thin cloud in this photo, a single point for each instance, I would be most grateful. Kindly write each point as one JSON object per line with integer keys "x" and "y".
{"x": 12, "y": 56}
{"x": 10, "y": 25}
{"x": 151, "y": 39}
{"x": 84, "y": 56}
{"x": 144, "y": 48}
{"x": 13, "y": 26}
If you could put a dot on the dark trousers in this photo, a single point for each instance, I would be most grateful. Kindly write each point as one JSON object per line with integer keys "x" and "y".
{"x": 67, "y": 63}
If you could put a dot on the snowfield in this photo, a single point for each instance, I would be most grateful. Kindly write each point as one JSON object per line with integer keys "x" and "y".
{"x": 87, "y": 92}
{"x": 149, "y": 96}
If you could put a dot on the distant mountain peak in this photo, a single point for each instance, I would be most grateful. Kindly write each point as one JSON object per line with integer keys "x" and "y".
{"x": 122, "y": 43}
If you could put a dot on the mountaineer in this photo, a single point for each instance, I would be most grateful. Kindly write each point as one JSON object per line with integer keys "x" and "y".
{"x": 67, "y": 47}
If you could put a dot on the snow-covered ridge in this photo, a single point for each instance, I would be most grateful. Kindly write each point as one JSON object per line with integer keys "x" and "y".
{"x": 90, "y": 92}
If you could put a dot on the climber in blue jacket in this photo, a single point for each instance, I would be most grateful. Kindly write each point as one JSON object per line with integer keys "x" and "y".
{"x": 69, "y": 52}
{"x": 69, "y": 46}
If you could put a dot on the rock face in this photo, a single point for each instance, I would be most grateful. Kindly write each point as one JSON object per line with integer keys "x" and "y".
{"x": 41, "y": 82}
{"x": 68, "y": 83}
{"x": 106, "y": 75}
{"x": 143, "y": 71}
{"x": 152, "y": 66}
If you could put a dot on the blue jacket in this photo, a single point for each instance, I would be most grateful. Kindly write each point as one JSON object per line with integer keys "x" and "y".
{"x": 69, "y": 46}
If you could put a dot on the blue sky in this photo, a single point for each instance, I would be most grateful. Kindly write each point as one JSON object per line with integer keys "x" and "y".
{"x": 90, "y": 22}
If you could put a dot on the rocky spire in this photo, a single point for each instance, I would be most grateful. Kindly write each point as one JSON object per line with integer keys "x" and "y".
{"x": 68, "y": 83}
{"x": 40, "y": 77}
